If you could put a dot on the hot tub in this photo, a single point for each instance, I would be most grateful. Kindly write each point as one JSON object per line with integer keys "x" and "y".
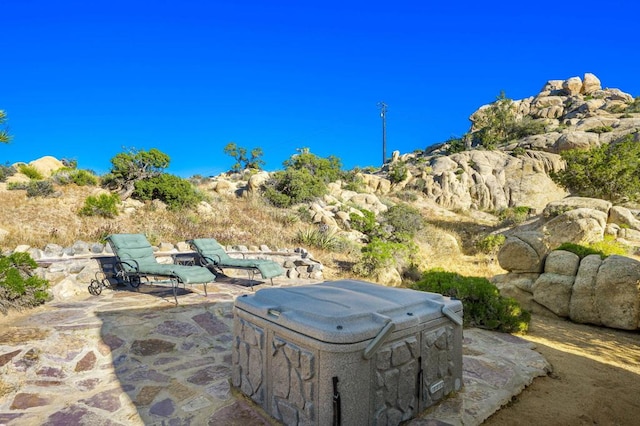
{"x": 346, "y": 352}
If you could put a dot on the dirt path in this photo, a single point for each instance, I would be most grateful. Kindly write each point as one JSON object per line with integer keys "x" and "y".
{"x": 596, "y": 378}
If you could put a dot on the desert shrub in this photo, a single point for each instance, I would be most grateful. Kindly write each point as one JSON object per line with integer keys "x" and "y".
{"x": 398, "y": 172}
{"x": 518, "y": 151}
{"x": 611, "y": 171}
{"x": 19, "y": 287}
{"x": 379, "y": 254}
{"x": 491, "y": 243}
{"x": 174, "y": 191}
{"x": 404, "y": 221}
{"x": 499, "y": 124}
{"x": 319, "y": 237}
{"x": 456, "y": 145}
{"x": 483, "y": 305}
{"x": 353, "y": 181}
{"x": 601, "y": 129}
{"x": 30, "y": 172}
{"x": 365, "y": 223}
{"x": 104, "y": 205}
{"x": 408, "y": 196}
{"x": 40, "y": 188}
{"x": 634, "y": 106}
{"x": 79, "y": 177}
{"x": 304, "y": 178}
{"x": 292, "y": 186}
{"x": 6, "y": 171}
{"x": 514, "y": 215}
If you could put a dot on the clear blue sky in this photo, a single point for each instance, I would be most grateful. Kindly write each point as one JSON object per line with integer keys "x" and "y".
{"x": 86, "y": 79}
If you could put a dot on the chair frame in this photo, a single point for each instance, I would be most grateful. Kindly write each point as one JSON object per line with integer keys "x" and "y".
{"x": 127, "y": 271}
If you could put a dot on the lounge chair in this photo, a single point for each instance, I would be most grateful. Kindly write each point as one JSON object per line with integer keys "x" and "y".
{"x": 136, "y": 262}
{"x": 213, "y": 256}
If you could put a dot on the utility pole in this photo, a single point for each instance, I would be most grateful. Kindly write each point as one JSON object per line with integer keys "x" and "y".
{"x": 383, "y": 115}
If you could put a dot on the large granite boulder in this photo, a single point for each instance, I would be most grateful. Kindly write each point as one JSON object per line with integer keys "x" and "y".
{"x": 583, "y": 225}
{"x": 553, "y": 288}
{"x": 558, "y": 207}
{"x": 523, "y": 252}
{"x": 617, "y": 293}
{"x": 582, "y": 308}
{"x": 625, "y": 217}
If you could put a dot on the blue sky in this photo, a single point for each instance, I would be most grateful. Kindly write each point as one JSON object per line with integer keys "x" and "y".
{"x": 86, "y": 80}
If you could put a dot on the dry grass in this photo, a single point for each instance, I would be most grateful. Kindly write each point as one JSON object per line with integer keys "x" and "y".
{"x": 248, "y": 221}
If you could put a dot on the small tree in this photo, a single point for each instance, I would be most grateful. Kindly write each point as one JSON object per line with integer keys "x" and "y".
{"x": 4, "y": 133}
{"x": 244, "y": 162}
{"x": 133, "y": 166}
{"x": 172, "y": 190}
{"x": 305, "y": 178}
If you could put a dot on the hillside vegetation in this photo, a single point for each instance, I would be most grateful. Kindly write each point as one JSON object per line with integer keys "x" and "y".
{"x": 447, "y": 206}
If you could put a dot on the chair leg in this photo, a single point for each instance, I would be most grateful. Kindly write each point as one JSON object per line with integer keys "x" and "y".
{"x": 174, "y": 284}
{"x": 205, "y": 289}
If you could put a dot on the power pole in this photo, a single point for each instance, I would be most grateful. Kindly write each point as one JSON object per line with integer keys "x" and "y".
{"x": 383, "y": 115}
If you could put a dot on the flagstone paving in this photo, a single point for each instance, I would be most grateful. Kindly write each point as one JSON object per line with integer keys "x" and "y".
{"x": 134, "y": 358}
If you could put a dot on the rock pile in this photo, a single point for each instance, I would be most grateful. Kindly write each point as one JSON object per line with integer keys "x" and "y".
{"x": 588, "y": 290}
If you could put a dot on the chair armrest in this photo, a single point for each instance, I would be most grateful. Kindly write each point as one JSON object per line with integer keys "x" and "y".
{"x": 207, "y": 260}
{"x": 131, "y": 263}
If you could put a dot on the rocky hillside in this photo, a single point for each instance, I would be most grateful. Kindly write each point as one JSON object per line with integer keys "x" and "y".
{"x": 574, "y": 113}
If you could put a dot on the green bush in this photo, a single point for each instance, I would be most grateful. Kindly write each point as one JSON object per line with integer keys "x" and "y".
{"x": 518, "y": 151}
{"x": 304, "y": 179}
{"x": 379, "y": 254}
{"x": 404, "y": 220}
{"x": 610, "y": 172}
{"x": 514, "y": 215}
{"x": 289, "y": 187}
{"x": 174, "y": 191}
{"x": 498, "y": 124}
{"x": 456, "y": 145}
{"x": 104, "y": 205}
{"x": 19, "y": 287}
{"x": 79, "y": 177}
{"x": 6, "y": 171}
{"x": 601, "y": 129}
{"x": 634, "y": 106}
{"x": 365, "y": 223}
{"x": 483, "y": 305}
{"x": 398, "y": 172}
{"x": 603, "y": 248}
{"x": 491, "y": 243}
{"x": 30, "y": 172}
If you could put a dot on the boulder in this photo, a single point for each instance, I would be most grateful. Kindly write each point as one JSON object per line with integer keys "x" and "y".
{"x": 617, "y": 293}
{"x": 553, "y": 291}
{"x": 257, "y": 180}
{"x": 623, "y": 216}
{"x": 590, "y": 83}
{"x": 47, "y": 165}
{"x": 558, "y": 207}
{"x": 523, "y": 252}
{"x": 576, "y": 140}
{"x": 576, "y": 226}
{"x": 582, "y": 308}
{"x": 562, "y": 262}
{"x": 572, "y": 86}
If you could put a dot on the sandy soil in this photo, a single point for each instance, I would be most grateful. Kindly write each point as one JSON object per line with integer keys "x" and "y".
{"x": 596, "y": 378}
